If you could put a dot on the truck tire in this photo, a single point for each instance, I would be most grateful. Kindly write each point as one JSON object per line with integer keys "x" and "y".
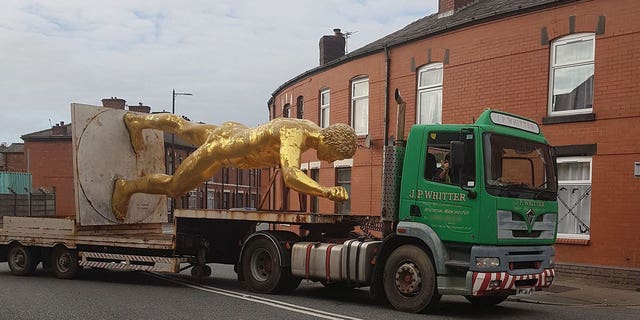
{"x": 262, "y": 269}
{"x": 22, "y": 260}
{"x": 409, "y": 279}
{"x": 486, "y": 301}
{"x": 64, "y": 262}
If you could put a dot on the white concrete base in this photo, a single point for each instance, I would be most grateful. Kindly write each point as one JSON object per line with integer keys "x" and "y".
{"x": 102, "y": 152}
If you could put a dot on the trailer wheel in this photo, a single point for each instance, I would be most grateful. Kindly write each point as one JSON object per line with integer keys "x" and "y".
{"x": 22, "y": 260}
{"x": 486, "y": 301}
{"x": 409, "y": 279}
{"x": 262, "y": 269}
{"x": 64, "y": 262}
{"x": 200, "y": 271}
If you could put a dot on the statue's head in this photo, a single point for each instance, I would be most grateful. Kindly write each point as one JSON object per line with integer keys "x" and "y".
{"x": 338, "y": 141}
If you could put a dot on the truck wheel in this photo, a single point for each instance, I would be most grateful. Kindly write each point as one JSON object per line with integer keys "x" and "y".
{"x": 64, "y": 262}
{"x": 262, "y": 269}
{"x": 486, "y": 301}
{"x": 22, "y": 260}
{"x": 409, "y": 279}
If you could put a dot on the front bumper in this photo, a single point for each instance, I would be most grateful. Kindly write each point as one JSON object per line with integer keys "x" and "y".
{"x": 493, "y": 283}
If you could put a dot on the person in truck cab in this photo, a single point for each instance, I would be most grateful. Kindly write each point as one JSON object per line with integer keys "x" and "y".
{"x": 442, "y": 173}
{"x": 279, "y": 142}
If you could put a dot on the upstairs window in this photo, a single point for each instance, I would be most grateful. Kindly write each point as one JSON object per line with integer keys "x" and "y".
{"x": 300, "y": 107}
{"x": 324, "y": 108}
{"x": 360, "y": 105}
{"x": 429, "y": 94}
{"x": 571, "y": 74}
{"x": 286, "y": 111}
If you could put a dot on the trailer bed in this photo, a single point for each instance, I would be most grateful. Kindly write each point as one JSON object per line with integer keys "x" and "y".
{"x": 47, "y": 232}
{"x": 285, "y": 217}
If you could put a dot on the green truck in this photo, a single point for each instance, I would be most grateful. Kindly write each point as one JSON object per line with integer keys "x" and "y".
{"x": 466, "y": 210}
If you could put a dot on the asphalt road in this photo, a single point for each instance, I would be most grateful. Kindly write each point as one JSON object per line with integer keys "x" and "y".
{"x": 98, "y": 294}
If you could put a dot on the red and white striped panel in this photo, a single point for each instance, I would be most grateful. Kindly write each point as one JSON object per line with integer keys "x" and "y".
{"x": 115, "y": 256}
{"x": 481, "y": 281}
{"x": 127, "y": 262}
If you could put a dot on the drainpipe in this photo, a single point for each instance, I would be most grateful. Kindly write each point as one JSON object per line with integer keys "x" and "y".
{"x": 387, "y": 63}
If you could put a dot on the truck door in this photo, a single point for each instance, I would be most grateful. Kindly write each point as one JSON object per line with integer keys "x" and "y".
{"x": 442, "y": 193}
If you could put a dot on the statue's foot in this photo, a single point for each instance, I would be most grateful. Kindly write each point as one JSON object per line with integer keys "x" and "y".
{"x": 132, "y": 122}
{"x": 119, "y": 200}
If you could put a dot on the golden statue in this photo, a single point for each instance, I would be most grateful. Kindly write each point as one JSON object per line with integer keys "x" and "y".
{"x": 278, "y": 142}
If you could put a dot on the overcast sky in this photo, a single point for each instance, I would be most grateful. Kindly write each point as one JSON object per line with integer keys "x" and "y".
{"x": 231, "y": 55}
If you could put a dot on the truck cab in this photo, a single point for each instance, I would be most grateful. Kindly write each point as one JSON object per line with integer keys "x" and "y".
{"x": 482, "y": 198}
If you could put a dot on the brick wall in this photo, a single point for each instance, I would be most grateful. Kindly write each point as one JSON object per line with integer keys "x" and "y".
{"x": 626, "y": 276}
{"x": 51, "y": 164}
{"x": 505, "y": 65}
{"x": 15, "y": 162}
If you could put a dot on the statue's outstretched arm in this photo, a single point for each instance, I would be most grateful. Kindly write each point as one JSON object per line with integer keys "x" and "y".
{"x": 294, "y": 178}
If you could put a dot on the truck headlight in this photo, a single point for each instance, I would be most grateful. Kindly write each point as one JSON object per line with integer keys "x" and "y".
{"x": 487, "y": 262}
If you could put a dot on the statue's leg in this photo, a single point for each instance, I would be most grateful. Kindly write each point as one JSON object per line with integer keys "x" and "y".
{"x": 194, "y": 133}
{"x": 124, "y": 189}
{"x": 194, "y": 170}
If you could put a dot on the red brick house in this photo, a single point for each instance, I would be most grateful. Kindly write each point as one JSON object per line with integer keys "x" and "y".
{"x": 570, "y": 65}
{"x": 12, "y": 158}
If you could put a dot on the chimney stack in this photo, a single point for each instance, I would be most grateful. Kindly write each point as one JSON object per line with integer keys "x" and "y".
{"x": 449, "y": 7}
{"x": 140, "y": 108}
{"x": 113, "y": 103}
{"x": 59, "y": 129}
{"x": 332, "y": 47}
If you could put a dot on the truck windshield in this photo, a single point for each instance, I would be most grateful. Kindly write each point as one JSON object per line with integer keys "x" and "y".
{"x": 518, "y": 168}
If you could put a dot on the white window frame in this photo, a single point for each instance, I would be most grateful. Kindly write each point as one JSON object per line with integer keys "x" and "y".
{"x": 210, "y": 199}
{"x": 434, "y": 88}
{"x": 561, "y": 182}
{"x": 193, "y": 199}
{"x": 355, "y": 99}
{"x": 325, "y": 105}
{"x": 578, "y": 63}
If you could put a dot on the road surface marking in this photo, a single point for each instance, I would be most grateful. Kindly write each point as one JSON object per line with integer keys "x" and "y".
{"x": 257, "y": 299}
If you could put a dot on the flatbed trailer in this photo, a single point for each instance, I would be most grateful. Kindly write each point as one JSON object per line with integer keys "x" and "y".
{"x": 190, "y": 241}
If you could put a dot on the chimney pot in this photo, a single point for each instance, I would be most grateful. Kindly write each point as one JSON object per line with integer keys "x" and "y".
{"x": 59, "y": 129}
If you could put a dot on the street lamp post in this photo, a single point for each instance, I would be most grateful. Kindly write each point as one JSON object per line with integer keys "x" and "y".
{"x": 173, "y": 140}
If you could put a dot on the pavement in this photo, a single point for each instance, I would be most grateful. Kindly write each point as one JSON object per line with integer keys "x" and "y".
{"x": 582, "y": 292}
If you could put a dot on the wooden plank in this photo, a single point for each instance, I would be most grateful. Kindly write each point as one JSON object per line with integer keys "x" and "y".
{"x": 289, "y": 217}
{"x": 64, "y": 224}
{"x": 122, "y": 230}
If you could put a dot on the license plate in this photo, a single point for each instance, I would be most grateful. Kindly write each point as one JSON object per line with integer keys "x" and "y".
{"x": 525, "y": 291}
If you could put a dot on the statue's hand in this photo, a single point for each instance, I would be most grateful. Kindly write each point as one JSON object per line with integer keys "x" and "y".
{"x": 338, "y": 194}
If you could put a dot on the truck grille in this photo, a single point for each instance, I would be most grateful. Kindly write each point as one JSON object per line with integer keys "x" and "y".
{"x": 512, "y": 225}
